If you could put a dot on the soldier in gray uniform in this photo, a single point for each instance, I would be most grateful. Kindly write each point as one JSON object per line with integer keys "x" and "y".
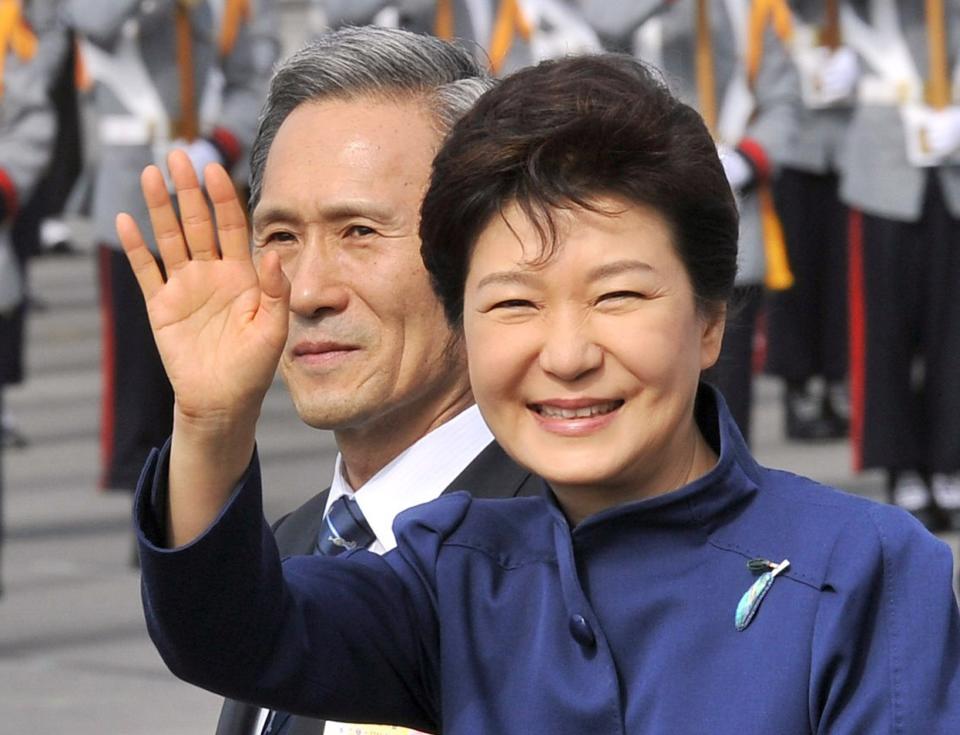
{"x": 140, "y": 54}
{"x": 756, "y": 122}
{"x": 26, "y": 139}
{"x": 807, "y": 323}
{"x": 411, "y": 15}
{"x": 902, "y": 176}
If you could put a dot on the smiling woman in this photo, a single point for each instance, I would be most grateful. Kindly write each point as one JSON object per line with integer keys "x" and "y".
{"x": 580, "y": 232}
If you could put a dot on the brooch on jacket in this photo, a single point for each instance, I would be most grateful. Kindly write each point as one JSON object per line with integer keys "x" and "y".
{"x": 750, "y": 602}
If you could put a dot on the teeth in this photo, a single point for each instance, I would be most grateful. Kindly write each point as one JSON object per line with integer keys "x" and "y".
{"x": 598, "y": 409}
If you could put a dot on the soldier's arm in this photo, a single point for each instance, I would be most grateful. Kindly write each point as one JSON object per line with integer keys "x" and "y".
{"x": 27, "y": 128}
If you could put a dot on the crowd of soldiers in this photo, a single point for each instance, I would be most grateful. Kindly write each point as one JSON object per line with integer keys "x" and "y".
{"x": 837, "y": 123}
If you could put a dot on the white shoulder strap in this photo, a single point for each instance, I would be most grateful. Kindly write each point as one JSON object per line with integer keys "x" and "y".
{"x": 125, "y": 75}
{"x": 738, "y": 99}
{"x": 881, "y": 44}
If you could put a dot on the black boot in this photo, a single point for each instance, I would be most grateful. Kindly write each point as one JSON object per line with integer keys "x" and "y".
{"x": 805, "y": 420}
{"x": 836, "y": 408}
{"x": 908, "y": 490}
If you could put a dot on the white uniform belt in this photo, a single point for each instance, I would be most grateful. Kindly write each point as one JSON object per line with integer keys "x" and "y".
{"x": 874, "y": 91}
{"x": 126, "y": 130}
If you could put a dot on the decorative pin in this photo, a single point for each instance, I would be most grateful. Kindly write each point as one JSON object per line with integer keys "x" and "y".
{"x": 750, "y": 602}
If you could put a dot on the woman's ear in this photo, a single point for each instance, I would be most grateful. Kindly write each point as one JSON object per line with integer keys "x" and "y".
{"x": 711, "y": 338}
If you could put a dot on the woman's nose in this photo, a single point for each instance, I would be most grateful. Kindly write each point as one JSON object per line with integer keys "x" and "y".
{"x": 568, "y": 351}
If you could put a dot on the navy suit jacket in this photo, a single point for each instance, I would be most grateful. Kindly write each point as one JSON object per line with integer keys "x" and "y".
{"x": 492, "y": 474}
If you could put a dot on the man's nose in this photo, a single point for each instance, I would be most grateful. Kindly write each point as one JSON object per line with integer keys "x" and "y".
{"x": 317, "y": 281}
{"x": 569, "y": 351}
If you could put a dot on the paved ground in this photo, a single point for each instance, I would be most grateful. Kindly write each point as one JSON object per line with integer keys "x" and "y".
{"x": 74, "y": 656}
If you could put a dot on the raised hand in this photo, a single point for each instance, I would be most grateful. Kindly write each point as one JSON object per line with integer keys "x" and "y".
{"x": 220, "y": 327}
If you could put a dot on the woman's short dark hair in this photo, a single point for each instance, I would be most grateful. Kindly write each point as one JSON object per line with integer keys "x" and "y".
{"x": 558, "y": 136}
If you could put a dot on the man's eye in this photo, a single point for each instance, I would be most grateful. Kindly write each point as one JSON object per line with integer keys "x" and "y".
{"x": 279, "y": 236}
{"x": 512, "y": 304}
{"x": 360, "y": 231}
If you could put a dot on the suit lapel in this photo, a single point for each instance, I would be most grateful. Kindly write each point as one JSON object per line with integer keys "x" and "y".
{"x": 492, "y": 474}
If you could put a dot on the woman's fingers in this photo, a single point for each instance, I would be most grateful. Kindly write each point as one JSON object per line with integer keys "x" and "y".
{"x": 194, "y": 211}
{"x": 166, "y": 226}
{"x": 141, "y": 260}
{"x": 230, "y": 214}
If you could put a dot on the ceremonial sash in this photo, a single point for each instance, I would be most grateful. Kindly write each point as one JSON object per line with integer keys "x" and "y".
{"x": 764, "y": 14}
{"x": 510, "y": 22}
{"x": 187, "y": 126}
{"x": 235, "y": 14}
{"x": 15, "y": 35}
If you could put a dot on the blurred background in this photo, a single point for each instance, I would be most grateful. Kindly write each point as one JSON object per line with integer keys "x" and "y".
{"x": 74, "y": 655}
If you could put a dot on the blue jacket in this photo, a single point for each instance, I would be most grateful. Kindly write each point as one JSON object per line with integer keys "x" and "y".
{"x": 495, "y": 617}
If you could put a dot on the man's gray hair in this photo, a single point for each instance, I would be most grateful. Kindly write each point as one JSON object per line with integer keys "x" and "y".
{"x": 365, "y": 61}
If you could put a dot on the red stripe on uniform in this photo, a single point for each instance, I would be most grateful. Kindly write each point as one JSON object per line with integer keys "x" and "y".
{"x": 858, "y": 338}
{"x": 228, "y": 145}
{"x": 9, "y": 193}
{"x": 758, "y": 157}
{"x": 108, "y": 358}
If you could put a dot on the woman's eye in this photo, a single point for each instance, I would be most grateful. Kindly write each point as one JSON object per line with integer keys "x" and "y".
{"x": 620, "y": 296}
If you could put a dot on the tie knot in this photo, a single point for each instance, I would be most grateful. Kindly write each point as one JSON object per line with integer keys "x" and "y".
{"x": 344, "y": 529}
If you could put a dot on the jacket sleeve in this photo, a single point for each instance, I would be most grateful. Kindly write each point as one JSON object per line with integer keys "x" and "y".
{"x": 27, "y": 128}
{"x": 774, "y": 124}
{"x": 246, "y": 72}
{"x": 352, "y": 638}
{"x": 886, "y": 646}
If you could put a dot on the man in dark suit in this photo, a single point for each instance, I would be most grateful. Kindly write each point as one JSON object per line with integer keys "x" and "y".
{"x": 341, "y": 160}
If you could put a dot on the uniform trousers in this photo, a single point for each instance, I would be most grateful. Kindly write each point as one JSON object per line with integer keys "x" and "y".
{"x": 137, "y": 400}
{"x": 733, "y": 372}
{"x": 807, "y": 323}
{"x": 905, "y": 339}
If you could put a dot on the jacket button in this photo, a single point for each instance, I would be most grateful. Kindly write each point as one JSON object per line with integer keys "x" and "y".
{"x": 581, "y": 631}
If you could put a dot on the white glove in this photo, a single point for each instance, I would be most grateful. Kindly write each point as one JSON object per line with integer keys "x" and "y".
{"x": 739, "y": 172}
{"x": 839, "y": 74}
{"x": 942, "y": 131}
{"x": 200, "y": 152}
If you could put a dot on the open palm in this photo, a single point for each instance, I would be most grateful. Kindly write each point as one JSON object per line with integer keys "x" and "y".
{"x": 219, "y": 325}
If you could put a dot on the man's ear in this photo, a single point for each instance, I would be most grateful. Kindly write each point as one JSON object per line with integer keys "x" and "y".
{"x": 711, "y": 338}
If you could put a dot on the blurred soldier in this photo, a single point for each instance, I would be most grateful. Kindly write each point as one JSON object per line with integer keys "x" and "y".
{"x": 807, "y": 323}
{"x": 902, "y": 176}
{"x": 167, "y": 73}
{"x": 45, "y": 61}
{"x": 728, "y": 60}
{"x": 40, "y": 227}
{"x": 411, "y": 15}
{"x": 510, "y": 34}
{"x": 26, "y": 139}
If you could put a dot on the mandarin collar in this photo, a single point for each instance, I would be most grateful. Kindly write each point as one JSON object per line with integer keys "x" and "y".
{"x": 730, "y": 484}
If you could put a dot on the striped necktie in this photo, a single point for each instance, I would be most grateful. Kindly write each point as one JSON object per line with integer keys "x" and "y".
{"x": 344, "y": 529}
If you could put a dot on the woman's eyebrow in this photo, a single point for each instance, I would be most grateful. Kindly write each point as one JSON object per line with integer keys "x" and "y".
{"x": 507, "y": 278}
{"x": 607, "y": 270}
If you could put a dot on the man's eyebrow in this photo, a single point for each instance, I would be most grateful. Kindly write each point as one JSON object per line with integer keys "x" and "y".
{"x": 332, "y": 213}
{"x": 524, "y": 277}
{"x": 262, "y": 216}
